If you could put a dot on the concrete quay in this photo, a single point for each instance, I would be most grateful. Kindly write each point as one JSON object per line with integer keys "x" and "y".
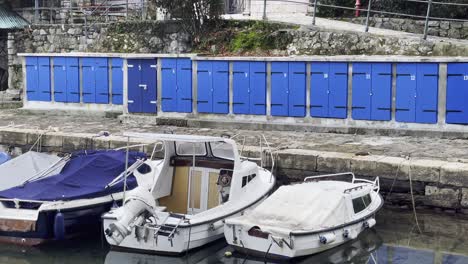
{"x": 437, "y": 168}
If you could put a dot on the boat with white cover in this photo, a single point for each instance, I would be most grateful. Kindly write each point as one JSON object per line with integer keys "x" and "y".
{"x": 307, "y": 218}
{"x": 44, "y": 197}
{"x": 183, "y": 199}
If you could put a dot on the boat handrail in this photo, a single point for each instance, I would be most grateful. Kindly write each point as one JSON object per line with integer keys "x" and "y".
{"x": 310, "y": 178}
{"x": 375, "y": 185}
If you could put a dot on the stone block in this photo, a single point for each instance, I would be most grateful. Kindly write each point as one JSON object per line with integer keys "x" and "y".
{"x": 334, "y": 162}
{"x": 464, "y": 200}
{"x": 454, "y": 173}
{"x": 391, "y": 167}
{"x": 442, "y": 197}
{"x": 364, "y": 165}
{"x": 444, "y": 25}
{"x": 13, "y": 137}
{"x": 298, "y": 159}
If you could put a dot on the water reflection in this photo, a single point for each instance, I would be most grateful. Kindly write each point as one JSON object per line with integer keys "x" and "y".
{"x": 394, "y": 241}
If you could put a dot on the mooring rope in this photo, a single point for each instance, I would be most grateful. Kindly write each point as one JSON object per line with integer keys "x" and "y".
{"x": 412, "y": 196}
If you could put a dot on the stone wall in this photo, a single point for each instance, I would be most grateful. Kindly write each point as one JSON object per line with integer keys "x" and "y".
{"x": 131, "y": 37}
{"x": 450, "y": 29}
{"x": 328, "y": 42}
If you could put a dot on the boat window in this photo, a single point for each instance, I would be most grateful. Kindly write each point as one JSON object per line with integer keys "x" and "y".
{"x": 247, "y": 179}
{"x": 222, "y": 150}
{"x": 361, "y": 203}
{"x": 187, "y": 149}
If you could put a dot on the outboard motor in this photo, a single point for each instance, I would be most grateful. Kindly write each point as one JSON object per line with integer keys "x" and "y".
{"x": 139, "y": 200}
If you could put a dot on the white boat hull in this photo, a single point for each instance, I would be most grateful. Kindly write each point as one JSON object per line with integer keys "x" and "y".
{"x": 295, "y": 246}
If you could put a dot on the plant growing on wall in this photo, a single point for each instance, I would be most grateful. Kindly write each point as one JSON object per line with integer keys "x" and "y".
{"x": 195, "y": 16}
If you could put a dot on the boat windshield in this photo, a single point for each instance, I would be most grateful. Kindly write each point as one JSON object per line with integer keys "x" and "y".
{"x": 190, "y": 149}
{"x": 222, "y": 150}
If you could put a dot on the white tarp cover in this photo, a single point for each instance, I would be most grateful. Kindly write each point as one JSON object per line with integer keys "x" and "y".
{"x": 22, "y": 168}
{"x": 307, "y": 206}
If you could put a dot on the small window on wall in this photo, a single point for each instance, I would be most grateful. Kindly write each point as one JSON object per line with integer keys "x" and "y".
{"x": 190, "y": 149}
{"x": 361, "y": 203}
{"x": 222, "y": 150}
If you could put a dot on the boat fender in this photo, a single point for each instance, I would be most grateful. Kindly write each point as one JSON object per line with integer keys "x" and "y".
{"x": 327, "y": 238}
{"x": 345, "y": 233}
{"x": 59, "y": 226}
{"x": 369, "y": 223}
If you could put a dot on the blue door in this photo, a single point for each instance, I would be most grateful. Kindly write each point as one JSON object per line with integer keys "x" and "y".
{"x": 32, "y": 79}
{"x": 73, "y": 80}
{"x": 279, "y": 88}
{"x": 102, "y": 80}
{"x": 169, "y": 85}
{"x": 184, "y": 85}
{"x": 427, "y": 93}
{"x": 297, "y": 89}
{"x": 221, "y": 87}
{"x": 134, "y": 89}
{"x": 117, "y": 81}
{"x": 406, "y": 92}
{"x": 362, "y": 91}
{"x": 148, "y": 85}
{"x": 89, "y": 80}
{"x": 338, "y": 90}
{"x": 319, "y": 75}
{"x": 60, "y": 79}
{"x": 205, "y": 87}
{"x": 457, "y": 93}
{"x": 381, "y": 94}
{"x": 142, "y": 94}
{"x": 44, "y": 78}
{"x": 257, "y": 88}
{"x": 241, "y": 87}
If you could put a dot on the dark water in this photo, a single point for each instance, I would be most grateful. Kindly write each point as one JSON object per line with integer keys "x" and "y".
{"x": 395, "y": 239}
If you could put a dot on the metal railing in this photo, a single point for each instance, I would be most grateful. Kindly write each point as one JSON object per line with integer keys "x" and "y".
{"x": 106, "y": 11}
{"x": 430, "y": 6}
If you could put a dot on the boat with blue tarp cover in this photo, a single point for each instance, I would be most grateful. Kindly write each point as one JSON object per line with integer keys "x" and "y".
{"x": 66, "y": 198}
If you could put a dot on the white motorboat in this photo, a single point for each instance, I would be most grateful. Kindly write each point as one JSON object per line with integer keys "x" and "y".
{"x": 181, "y": 201}
{"x": 307, "y": 218}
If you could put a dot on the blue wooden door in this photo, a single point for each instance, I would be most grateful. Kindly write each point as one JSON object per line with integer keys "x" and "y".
{"x": 406, "y": 92}
{"x": 220, "y": 87}
{"x": 362, "y": 90}
{"x": 134, "y": 90}
{"x": 32, "y": 79}
{"x": 117, "y": 81}
{"x": 457, "y": 93}
{"x": 169, "y": 85}
{"x": 427, "y": 93}
{"x": 44, "y": 79}
{"x": 381, "y": 94}
{"x": 319, "y": 75}
{"x": 297, "y": 89}
{"x": 338, "y": 90}
{"x": 102, "y": 80}
{"x": 73, "y": 80}
{"x": 241, "y": 87}
{"x": 184, "y": 85}
{"x": 257, "y": 88}
{"x": 60, "y": 79}
{"x": 148, "y": 85}
{"x": 89, "y": 80}
{"x": 205, "y": 87}
{"x": 279, "y": 88}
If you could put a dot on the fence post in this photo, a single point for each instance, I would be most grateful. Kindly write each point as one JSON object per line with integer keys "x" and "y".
{"x": 264, "y": 9}
{"x": 36, "y": 11}
{"x": 426, "y": 25}
{"x": 315, "y": 11}
{"x": 126, "y": 9}
{"x": 368, "y": 15}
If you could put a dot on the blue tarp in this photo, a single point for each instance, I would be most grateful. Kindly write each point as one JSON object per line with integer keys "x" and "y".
{"x": 85, "y": 175}
{"x": 4, "y": 157}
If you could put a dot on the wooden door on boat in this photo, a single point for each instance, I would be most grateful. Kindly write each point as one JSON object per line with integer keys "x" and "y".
{"x": 204, "y": 193}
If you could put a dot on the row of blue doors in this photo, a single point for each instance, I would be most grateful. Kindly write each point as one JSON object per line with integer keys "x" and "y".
{"x": 416, "y": 87}
{"x": 66, "y": 79}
